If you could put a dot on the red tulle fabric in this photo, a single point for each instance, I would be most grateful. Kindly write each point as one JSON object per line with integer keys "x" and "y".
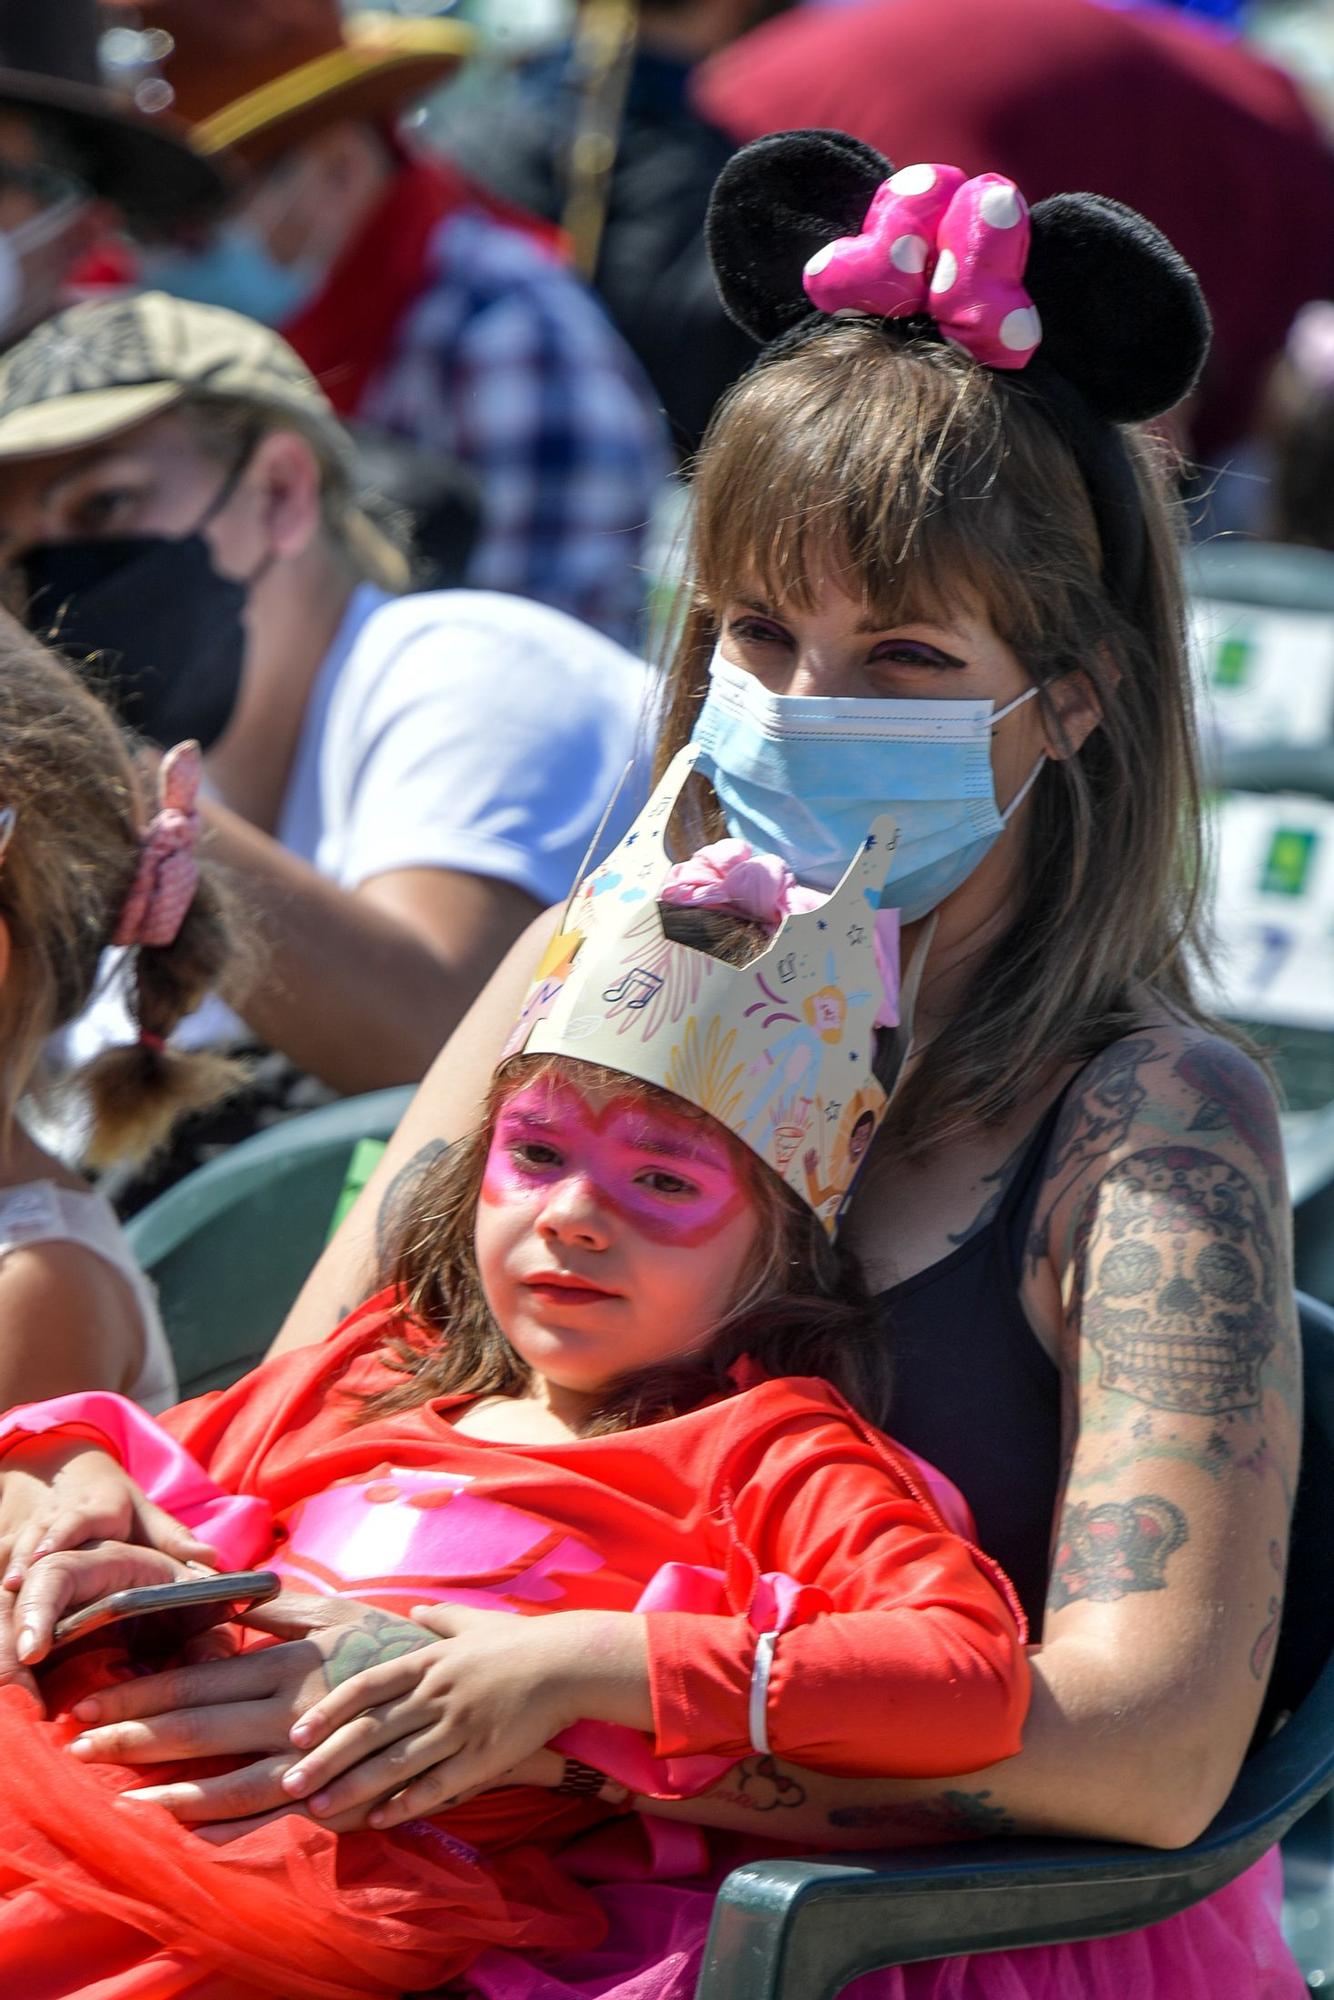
{"x": 114, "y": 1900}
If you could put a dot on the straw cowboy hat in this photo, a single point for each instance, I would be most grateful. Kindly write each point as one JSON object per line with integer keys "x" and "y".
{"x": 142, "y": 160}
{"x": 254, "y": 77}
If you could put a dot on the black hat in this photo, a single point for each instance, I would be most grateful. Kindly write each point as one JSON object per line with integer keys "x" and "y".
{"x": 145, "y": 163}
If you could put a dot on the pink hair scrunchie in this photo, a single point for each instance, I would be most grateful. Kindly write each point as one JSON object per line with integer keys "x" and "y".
{"x": 168, "y": 873}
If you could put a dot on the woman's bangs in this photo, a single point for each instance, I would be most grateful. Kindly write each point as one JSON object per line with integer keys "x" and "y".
{"x": 900, "y": 512}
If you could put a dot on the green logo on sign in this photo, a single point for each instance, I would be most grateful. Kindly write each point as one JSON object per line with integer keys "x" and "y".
{"x": 1232, "y": 662}
{"x": 1288, "y": 864}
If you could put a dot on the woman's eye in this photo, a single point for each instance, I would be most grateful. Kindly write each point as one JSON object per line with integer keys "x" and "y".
{"x": 758, "y": 632}
{"x": 910, "y": 653}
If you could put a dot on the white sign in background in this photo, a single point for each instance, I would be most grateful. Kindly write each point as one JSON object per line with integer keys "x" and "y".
{"x": 1274, "y": 909}
{"x": 1263, "y": 676}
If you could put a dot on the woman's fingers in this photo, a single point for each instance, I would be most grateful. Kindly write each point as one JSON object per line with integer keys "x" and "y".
{"x": 238, "y": 1729}
{"x": 434, "y": 1791}
{"x": 255, "y": 1789}
{"x": 293, "y": 1614}
{"x": 216, "y": 1683}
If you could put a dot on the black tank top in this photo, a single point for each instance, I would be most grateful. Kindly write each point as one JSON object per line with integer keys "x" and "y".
{"x": 975, "y": 1392}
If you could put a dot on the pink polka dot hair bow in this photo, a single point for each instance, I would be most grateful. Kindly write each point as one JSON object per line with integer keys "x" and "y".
{"x": 937, "y": 243}
{"x": 168, "y": 873}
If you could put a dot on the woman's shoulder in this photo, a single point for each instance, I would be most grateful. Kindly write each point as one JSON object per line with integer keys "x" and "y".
{"x": 1170, "y": 1098}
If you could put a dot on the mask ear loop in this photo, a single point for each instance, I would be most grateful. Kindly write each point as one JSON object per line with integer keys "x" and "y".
{"x": 224, "y": 494}
{"x": 999, "y": 715}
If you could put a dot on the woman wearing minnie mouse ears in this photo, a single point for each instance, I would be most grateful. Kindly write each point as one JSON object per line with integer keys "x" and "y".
{"x": 935, "y": 577}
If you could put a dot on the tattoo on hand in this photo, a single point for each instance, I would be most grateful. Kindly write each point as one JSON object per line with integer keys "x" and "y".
{"x": 1106, "y": 1552}
{"x": 1176, "y": 1324}
{"x": 950, "y": 1816}
{"x": 761, "y": 1785}
{"x": 377, "y": 1638}
{"x": 395, "y": 1197}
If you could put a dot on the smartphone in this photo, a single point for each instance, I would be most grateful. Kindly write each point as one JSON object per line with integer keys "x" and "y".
{"x": 166, "y": 1615}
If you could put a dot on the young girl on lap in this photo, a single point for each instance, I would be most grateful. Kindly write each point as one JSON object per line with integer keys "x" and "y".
{"x": 623, "y": 1380}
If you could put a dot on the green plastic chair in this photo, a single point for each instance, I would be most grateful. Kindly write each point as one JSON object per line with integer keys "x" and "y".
{"x": 801, "y": 1930}
{"x": 231, "y": 1245}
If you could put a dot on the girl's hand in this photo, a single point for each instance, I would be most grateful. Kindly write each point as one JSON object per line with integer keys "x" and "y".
{"x": 58, "y": 1494}
{"x": 55, "y": 1494}
{"x": 431, "y": 1725}
{"x": 70, "y": 1578}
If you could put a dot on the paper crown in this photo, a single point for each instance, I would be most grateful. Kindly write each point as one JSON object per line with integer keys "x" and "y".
{"x": 779, "y": 1051}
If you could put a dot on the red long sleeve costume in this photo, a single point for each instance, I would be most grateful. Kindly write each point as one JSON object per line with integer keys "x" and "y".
{"x": 901, "y": 1655}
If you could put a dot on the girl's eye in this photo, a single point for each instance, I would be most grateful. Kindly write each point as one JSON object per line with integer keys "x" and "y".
{"x": 659, "y": 1181}
{"x": 533, "y": 1153}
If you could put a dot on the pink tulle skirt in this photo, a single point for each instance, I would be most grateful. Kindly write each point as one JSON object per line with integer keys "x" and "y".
{"x": 1227, "y": 1948}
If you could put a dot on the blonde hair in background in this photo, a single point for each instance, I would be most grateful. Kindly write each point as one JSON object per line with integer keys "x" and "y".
{"x": 67, "y": 776}
{"x": 919, "y": 481}
{"x": 374, "y": 550}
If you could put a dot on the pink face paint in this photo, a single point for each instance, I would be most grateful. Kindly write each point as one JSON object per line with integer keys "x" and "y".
{"x": 663, "y": 1174}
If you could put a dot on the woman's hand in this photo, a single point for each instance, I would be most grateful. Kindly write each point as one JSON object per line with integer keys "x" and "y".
{"x": 240, "y": 1707}
{"x": 429, "y": 1725}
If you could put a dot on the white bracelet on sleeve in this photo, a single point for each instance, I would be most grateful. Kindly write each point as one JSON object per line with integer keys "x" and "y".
{"x": 759, "y": 1691}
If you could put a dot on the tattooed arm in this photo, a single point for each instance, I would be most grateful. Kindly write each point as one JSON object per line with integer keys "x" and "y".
{"x": 1159, "y": 1272}
{"x": 444, "y": 1109}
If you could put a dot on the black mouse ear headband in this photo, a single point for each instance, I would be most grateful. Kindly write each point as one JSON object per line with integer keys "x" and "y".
{"x": 1077, "y": 295}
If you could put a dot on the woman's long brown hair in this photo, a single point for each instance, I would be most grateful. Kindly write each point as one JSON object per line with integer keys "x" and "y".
{"x": 920, "y": 481}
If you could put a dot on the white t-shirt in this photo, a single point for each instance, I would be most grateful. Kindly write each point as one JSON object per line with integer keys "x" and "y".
{"x": 456, "y": 729}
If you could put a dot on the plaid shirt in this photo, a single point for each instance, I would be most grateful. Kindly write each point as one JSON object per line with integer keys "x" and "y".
{"x": 508, "y": 363}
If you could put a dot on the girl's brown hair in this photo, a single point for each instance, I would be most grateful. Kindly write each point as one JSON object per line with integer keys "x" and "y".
{"x": 800, "y": 1307}
{"x": 66, "y": 775}
{"x": 920, "y": 481}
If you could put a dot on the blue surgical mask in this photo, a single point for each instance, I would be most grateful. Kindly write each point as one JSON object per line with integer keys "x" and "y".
{"x": 804, "y": 776}
{"x": 236, "y": 269}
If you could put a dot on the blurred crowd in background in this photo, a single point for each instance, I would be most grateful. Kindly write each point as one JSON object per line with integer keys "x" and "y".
{"x": 395, "y": 544}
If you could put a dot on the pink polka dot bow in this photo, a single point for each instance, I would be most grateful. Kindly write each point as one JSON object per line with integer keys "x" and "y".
{"x": 935, "y": 242}
{"x": 168, "y": 873}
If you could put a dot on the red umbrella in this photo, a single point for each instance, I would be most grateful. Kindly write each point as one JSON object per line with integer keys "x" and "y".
{"x": 1177, "y": 118}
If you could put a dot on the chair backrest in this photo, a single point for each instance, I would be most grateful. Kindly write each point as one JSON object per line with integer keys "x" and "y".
{"x": 230, "y": 1246}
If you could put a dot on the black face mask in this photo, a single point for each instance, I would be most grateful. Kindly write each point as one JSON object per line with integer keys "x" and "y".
{"x": 149, "y": 623}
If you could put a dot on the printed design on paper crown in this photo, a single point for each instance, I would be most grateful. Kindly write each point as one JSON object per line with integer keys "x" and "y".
{"x": 779, "y": 1051}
